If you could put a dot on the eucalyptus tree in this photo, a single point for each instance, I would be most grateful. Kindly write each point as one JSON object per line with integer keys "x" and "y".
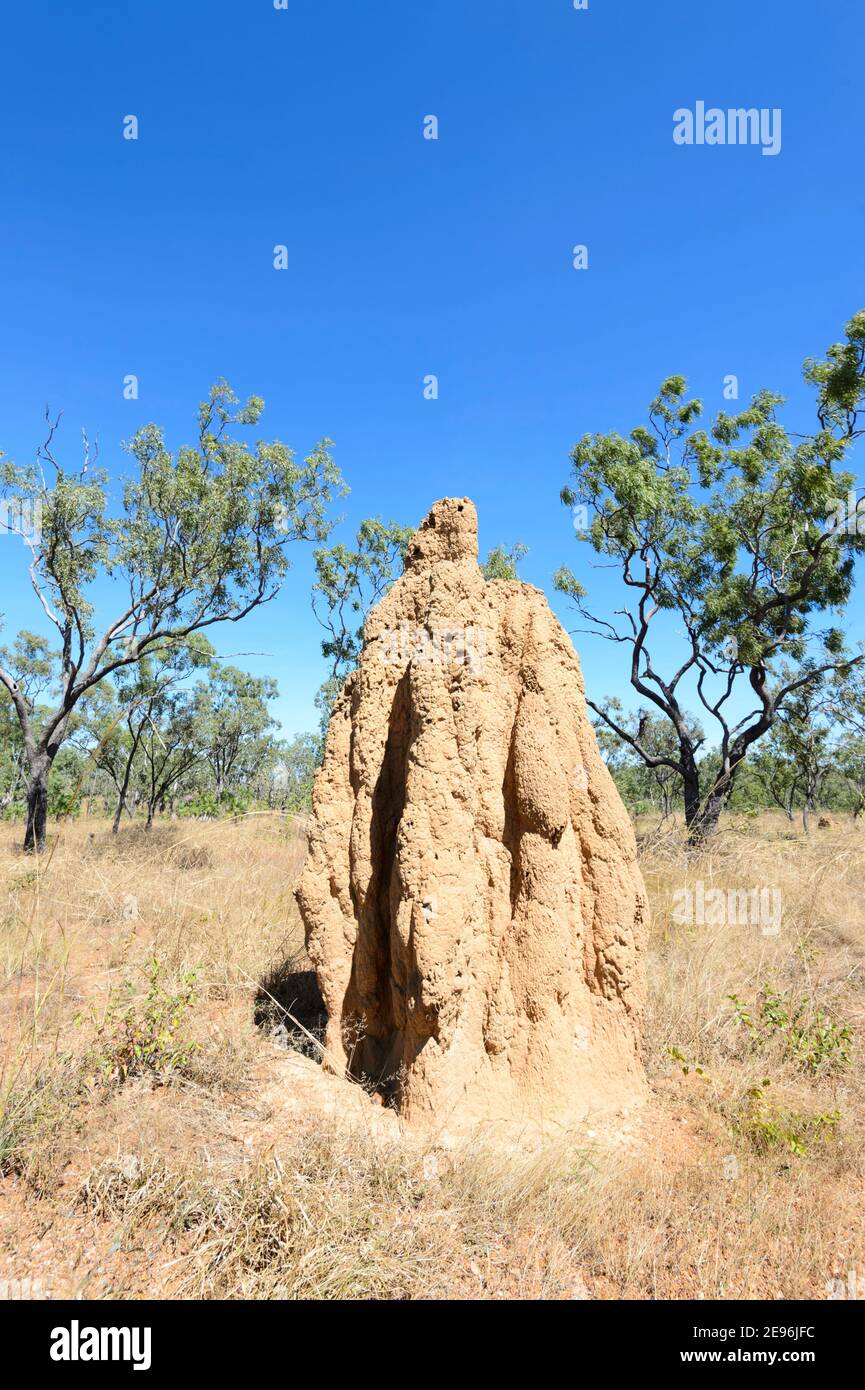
{"x": 32, "y": 658}
{"x": 199, "y": 537}
{"x": 847, "y": 706}
{"x": 777, "y": 777}
{"x": 169, "y": 745}
{"x": 235, "y": 726}
{"x": 731, "y": 533}
{"x": 299, "y": 760}
{"x": 131, "y": 706}
{"x": 652, "y": 779}
{"x": 803, "y": 744}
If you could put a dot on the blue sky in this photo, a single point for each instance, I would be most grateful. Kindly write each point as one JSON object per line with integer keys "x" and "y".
{"x": 408, "y": 256}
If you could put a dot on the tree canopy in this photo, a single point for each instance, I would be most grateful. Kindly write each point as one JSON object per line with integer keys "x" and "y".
{"x": 733, "y": 531}
{"x": 200, "y": 537}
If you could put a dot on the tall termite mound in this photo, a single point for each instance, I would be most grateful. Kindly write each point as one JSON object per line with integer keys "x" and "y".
{"x": 472, "y": 901}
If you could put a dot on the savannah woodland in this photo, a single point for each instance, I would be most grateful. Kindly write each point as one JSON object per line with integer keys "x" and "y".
{"x": 167, "y": 1126}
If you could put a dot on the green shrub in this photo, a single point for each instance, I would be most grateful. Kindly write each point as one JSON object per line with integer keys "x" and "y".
{"x": 810, "y": 1038}
{"x": 144, "y": 1037}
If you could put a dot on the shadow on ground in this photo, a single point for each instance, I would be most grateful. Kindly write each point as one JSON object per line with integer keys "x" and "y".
{"x": 289, "y": 1008}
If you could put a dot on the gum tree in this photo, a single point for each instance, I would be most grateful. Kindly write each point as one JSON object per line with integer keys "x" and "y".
{"x": 199, "y": 537}
{"x": 658, "y": 781}
{"x": 803, "y": 745}
{"x": 169, "y": 745}
{"x": 122, "y": 713}
{"x": 236, "y": 726}
{"x": 847, "y": 707}
{"x": 730, "y": 532}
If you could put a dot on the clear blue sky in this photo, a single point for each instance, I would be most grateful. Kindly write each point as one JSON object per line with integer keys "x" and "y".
{"x": 408, "y": 256}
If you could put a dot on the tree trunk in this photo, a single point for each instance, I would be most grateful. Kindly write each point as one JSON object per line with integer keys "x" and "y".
{"x": 703, "y": 827}
{"x": 127, "y": 775}
{"x": 810, "y": 805}
{"x": 37, "y": 808}
{"x": 121, "y": 799}
{"x": 691, "y": 791}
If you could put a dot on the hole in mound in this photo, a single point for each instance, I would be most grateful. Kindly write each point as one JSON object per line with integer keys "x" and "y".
{"x": 289, "y": 1008}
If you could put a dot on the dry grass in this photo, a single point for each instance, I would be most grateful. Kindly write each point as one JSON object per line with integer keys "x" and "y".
{"x": 154, "y": 1140}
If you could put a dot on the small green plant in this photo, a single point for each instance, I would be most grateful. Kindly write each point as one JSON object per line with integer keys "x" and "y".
{"x": 22, "y": 881}
{"x": 143, "y": 1037}
{"x": 686, "y": 1066}
{"x": 810, "y": 1038}
{"x": 768, "y": 1126}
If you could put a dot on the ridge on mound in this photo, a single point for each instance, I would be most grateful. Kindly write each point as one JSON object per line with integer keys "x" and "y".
{"x": 471, "y": 897}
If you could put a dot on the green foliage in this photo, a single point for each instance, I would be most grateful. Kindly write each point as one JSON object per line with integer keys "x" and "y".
{"x": 207, "y": 805}
{"x": 726, "y": 530}
{"x": 686, "y": 1065}
{"x": 809, "y": 1037}
{"x": 144, "y": 1037}
{"x": 300, "y": 760}
{"x": 502, "y": 563}
{"x": 648, "y": 781}
{"x": 767, "y": 1125}
{"x": 234, "y": 726}
{"x": 350, "y": 581}
{"x": 200, "y": 538}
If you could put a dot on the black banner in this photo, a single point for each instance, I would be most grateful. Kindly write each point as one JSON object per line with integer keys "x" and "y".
{"x": 81, "y": 1339}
